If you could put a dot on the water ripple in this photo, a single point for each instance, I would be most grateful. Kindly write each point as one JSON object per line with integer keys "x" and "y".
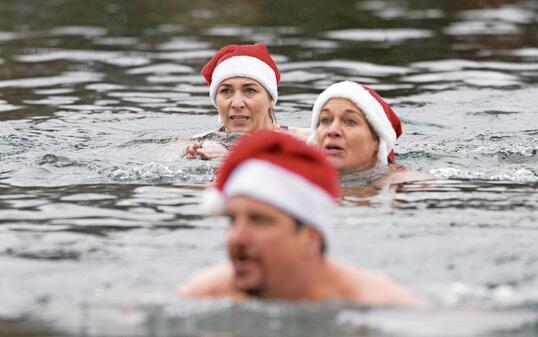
{"x": 66, "y": 78}
{"x": 525, "y": 53}
{"x": 86, "y": 31}
{"x": 508, "y": 14}
{"x": 7, "y": 36}
{"x": 163, "y": 68}
{"x": 460, "y": 323}
{"x": 458, "y": 64}
{"x": 466, "y": 28}
{"x": 523, "y": 174}
{"x": 58, "y": 161}
{"x": 95, "y": 195}
{"x": 159, "y": 173}
{"x": 109, "y": 57}
{"x": 115, "y": 41}
{"x": 379, "y": 35}
{"x": 183, "y": 44}
{"x": 475, "y": 78}
{"x": 8, "y": 107}
{"x": 362, "y": 68}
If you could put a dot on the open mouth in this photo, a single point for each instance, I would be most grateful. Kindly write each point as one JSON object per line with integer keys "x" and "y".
{"x": 242, "y": 257}
{"x": 333, "y": 149}
{"x": 243, "y": 262}
{"x": 239, "y": 118}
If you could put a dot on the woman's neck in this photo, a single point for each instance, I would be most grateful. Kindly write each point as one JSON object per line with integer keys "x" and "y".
{"x": 362, "y": 177}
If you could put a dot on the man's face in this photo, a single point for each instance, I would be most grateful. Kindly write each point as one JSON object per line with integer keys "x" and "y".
{"x": 265, "y": 248}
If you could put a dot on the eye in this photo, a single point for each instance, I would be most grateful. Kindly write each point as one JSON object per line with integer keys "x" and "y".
{"x": 250, "y": 91}
{"x": 260, "y": 219}
{"x": 325, "y": 121}
{"x": 350, "y": 122}
{"x": 225, "y": 91}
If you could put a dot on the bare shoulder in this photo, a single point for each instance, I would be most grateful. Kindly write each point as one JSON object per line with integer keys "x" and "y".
{"x": 368, "y": 287}
{"x": 400, "y": 174}
{"x": 204, "y": 134}
{"x": 300, "y": 133}
{"x": 214, "y": 281}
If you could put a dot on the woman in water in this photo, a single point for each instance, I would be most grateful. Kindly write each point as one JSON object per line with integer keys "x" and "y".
{"x": 357, "y": 129}
{"x": 243, "y": 86}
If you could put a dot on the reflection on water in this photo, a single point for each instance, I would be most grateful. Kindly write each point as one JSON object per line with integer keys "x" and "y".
{"x": 98, "y": 208}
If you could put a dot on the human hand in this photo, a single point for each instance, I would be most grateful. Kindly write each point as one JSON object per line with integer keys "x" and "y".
{"x": 190, "y": 151}
{"x": 210, "y": 150}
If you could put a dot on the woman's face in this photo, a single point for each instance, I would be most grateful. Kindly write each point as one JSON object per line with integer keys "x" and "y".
{"x": 243, "y": 105}
{"x": 345, "y": 136}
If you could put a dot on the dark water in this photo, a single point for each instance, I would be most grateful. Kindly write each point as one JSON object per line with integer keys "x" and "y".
{"x": 98, "y": 217}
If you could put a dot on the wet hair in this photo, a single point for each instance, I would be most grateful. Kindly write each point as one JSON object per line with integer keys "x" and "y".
{"x": 372, "y": 130}
{"x": 370, "y": 127}
{"x": 300, "y": 225}
{"x": 272, "y": 115}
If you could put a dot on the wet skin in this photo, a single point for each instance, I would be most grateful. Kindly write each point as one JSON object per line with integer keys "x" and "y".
{"x": 266, "y": 249}
{"x": 345, "y": 137}
{"x": 271, "y": 257}
{"x": 243, "y": 105}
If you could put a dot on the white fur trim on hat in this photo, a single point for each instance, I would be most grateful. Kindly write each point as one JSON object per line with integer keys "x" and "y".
{"x": 212, "y": 202}
{"x": 373, "y": 111}
{"x": 285, "y": 190}
{"x": 244, "y": 66}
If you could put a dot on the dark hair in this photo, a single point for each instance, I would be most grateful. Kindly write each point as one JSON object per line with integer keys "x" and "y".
{"x": 372, "y": 130}
{"x": 300, "y": 225}
{"x": 370, "y": 127}
{"x": 272, "y": 115}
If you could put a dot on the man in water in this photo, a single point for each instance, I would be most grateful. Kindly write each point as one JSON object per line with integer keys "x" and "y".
{"x": 280, "y": 196}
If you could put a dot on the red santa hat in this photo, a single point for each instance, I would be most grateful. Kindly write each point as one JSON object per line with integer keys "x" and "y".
{"x": 378, "y": 113}
{"x": 280, "y": 170}
{"x": 249, "y": 60}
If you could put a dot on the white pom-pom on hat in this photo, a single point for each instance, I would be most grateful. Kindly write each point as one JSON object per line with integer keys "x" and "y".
{"x": 213, "y": 202}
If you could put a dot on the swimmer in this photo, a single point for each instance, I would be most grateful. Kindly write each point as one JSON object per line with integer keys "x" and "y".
{"x": 357, "y": 129}
{"x": 280, "y": 196}
{"x": 243, "y": 86}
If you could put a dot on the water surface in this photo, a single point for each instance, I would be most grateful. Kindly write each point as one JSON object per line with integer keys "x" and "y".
{"x": 99, "y": 216}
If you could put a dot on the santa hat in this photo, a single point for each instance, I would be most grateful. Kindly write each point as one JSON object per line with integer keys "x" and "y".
{"x": 249, "y": 60}
{"x": 282, "y": 171}
{"x": 378, "y": 113}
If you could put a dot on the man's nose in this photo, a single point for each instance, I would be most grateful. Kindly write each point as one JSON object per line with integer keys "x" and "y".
{"x": 239, "y": 231}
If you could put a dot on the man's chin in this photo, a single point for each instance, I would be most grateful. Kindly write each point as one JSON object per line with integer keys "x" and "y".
{"x": 249, "y": 287}
{"x": 254, "y": 291}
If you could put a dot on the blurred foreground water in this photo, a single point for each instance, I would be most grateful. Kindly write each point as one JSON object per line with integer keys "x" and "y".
{"x": 98, "y": 213}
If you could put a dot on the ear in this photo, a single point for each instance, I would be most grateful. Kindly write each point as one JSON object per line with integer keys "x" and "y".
{"x": 314, "y": 239}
